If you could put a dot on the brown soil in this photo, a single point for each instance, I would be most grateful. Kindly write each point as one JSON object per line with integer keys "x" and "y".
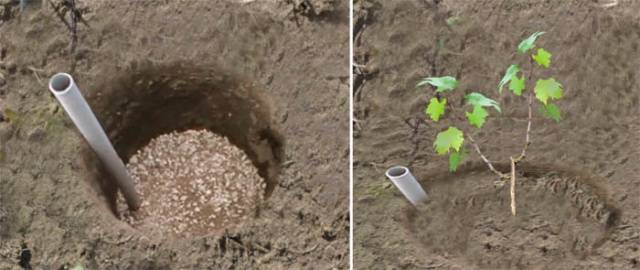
{"x": 578, "y": 192}
{"x": 264, "y": 74}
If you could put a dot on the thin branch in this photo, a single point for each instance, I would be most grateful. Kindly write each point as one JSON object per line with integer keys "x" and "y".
{"x": 75, "y": 15}
{"x": 513, "y": 186}
{"x": 60, "y": 14}
{"x": 74, "y": 26}
{"x": 527, "y": 141}
{"x": 35, "y": 73}
{"x": 501, "y": 175}
{"x": 415, "y": 140}
{"x": 484, "y": 158}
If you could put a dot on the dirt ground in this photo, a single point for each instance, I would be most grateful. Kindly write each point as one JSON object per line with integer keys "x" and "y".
{"x": 579, "y": 190}
{"x": 290, "y": 53}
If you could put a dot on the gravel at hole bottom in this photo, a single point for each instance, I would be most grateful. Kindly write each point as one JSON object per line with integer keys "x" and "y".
{"x": 192, "y": 183}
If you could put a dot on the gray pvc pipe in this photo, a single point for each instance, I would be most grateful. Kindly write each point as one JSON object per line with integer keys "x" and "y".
{"x": 65, "y": 90}
{"x": 407, "y": 184}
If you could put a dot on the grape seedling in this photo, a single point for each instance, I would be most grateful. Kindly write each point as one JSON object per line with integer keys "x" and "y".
{"x": 452, "y": 140}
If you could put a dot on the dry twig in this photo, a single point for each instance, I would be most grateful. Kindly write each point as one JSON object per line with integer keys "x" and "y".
{"x": 415, "y": 140}
{"x": 303, "y": 252}
{"x": 75, "y": 15}
{"x": 35, "y": 73}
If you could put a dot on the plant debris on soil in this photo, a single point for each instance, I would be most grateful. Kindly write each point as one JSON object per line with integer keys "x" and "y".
{"x": 579, "y": 189}
{"x": 193, "y": 183}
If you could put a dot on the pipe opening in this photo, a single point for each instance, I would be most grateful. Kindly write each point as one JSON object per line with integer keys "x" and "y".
{"x": 397, "y": 171}
{"x": 60, "y": 82}
{"x": 200, "y": 128}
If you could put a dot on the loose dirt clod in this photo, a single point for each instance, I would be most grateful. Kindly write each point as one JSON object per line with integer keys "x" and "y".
{"x": 193, "y": 183}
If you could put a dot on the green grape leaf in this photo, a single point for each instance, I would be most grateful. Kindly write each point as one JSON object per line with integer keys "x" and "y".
{"x": 517, "y": 85}
{"x": 455, "y": 158}
{"x": 548, "y": 89}
{"x": 477, "y": 99}
{"x": 452, "y": 138}
{"x": 435, "y": 109}
{"x": 551, "y": 111}
{"x": 477, "y": 117}
{"x": 543, "y": 57}
{"x": 529, "y": 42}
{"x": 512, "y": 71}
{"x": 441, "y": 83}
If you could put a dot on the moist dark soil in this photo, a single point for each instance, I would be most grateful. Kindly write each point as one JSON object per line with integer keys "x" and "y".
{"x": 578, "y": 191}
{"x": 271, "y": 76}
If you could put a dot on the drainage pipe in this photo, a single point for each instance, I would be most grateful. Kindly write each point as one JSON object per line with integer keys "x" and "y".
{"x": 407, "y": 184}
{"x": 65, "y": 90}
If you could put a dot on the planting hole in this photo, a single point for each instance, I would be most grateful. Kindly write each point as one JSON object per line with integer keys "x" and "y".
{"x": 560, "y": 214}
{"x": 199, "y": 143}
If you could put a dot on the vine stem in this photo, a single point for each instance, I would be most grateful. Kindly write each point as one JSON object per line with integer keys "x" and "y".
{"x": 513, "y": 186}
{"x": 527, "y": 142}
{"x": 484, "y": 158}
{"x": 527, "y": 139}
{"x": 514, "y": 161}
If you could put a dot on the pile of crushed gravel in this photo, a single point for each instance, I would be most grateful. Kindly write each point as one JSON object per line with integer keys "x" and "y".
{"x": 193, "y": 183}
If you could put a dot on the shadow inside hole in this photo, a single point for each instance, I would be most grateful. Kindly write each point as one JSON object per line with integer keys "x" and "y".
{"x": 149, "y": 101}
